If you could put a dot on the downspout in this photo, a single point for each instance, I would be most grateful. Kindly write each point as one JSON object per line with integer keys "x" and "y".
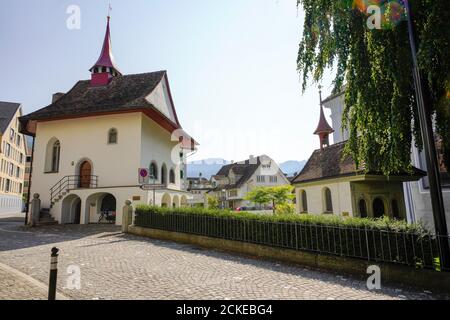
{"x": 29, "y": 183}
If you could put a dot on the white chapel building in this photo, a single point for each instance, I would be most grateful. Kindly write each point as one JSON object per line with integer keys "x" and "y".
{"x": 416, "y": 192}
{"x": 91, "y": 141}
{"x": 331, "y": 183}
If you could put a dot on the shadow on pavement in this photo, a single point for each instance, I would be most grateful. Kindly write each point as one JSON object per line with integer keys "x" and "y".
{"x": 15, "y": 235}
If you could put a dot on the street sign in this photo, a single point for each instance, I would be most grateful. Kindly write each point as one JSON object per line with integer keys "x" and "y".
{"x": 147, "y": 187}
{"x": 144, "y": 175}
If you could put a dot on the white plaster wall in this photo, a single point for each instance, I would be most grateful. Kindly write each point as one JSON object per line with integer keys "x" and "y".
{"x": 340, "y": 194}
{"x": 418, "y": 199}
{"x": 157, "y": 145}
{"x": 86, "y": 138}
{"x": 336, "y": 106}
{"x": 161, "y": 100}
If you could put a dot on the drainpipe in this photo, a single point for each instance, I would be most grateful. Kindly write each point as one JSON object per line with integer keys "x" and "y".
{"x": 29, "y": 183}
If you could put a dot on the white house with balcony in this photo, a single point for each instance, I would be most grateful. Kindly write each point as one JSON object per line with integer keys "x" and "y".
{"x": 91, "y": 141}
{"x": 233, "y": 181}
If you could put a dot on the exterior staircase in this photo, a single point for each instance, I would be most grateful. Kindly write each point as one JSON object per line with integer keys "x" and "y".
{"x": 67, "y": 183}
{"x": 45, "y": 218}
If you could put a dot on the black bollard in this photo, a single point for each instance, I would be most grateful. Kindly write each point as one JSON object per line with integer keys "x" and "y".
{"x": 53, "y": 274}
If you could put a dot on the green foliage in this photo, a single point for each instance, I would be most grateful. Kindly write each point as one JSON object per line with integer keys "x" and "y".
{"x": 307, "y": 219}
{"x": 285, "y": 208}
{"x": 281, "y": 194}
{"x": 277, "y": 195}
{"x": 259, "y": 195}
{"x": 376, "y": 67}
{"x": 352, "y": 237}
{"x": 213, "y": 202}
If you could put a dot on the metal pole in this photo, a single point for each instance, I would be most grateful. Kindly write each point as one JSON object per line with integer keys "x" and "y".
{"x": 53, "y": 274}
{"x": 29, "y": 181}
{"x": 429, "y": 150}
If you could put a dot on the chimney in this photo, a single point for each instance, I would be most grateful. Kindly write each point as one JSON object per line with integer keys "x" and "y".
{"x": 57, "y": 96}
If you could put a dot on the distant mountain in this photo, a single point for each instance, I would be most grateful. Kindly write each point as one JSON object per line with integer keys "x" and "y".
{"x": 292, "y": 166}
{"x": 209, "y": 167}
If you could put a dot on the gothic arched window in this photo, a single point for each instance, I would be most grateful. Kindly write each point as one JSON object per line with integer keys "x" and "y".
{"x": 328, "y": 202}
{"x": 304, "y": 202}
{"x": 112, "y": 136}
{"x": 172, "y": 176}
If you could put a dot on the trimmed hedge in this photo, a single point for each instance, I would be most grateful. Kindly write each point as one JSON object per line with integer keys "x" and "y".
{"x": 372, "y": 239}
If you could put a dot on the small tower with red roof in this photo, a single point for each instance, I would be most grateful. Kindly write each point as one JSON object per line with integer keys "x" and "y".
{"x": 105, "y": 68}
{"x": 323, "y": 129}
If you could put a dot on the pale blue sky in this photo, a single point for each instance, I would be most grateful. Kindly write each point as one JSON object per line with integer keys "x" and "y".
{"x": 231, "y": 65}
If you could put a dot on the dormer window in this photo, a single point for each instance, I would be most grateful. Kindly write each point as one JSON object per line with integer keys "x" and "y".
{"x": 112, "y": 136}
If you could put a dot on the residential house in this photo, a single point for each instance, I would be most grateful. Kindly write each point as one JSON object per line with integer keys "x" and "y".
{"x": 331, "y": 183}
{"x": 198, "y": 187}
{"x": 233, "y": 181}
{"x": 12, "y": 158}
{"x": 91, "y": 141}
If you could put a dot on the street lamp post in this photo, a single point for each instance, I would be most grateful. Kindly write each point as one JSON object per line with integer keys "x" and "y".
{"x": 429, "y": 150}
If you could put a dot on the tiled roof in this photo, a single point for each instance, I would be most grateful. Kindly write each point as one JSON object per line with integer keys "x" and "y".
{"x": 244, "y": 169}
{"x": 7, "y": 112}
{"x": 123, "y": 93}
{"x": 330, "y": 163}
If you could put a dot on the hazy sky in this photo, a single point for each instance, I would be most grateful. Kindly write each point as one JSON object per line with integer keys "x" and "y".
{"x": 231, "y": 65}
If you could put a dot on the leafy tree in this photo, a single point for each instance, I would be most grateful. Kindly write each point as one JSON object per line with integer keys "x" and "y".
{"x": 275, "y": 195}
{"x": 376, "y": 67}
{"x": 213, "y": 202}
{"x": 281, "y": 195}
{"x": 259, "y": 195}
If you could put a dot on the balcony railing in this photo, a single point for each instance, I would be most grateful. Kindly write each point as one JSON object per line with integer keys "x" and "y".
{"x": 68, "y": 183}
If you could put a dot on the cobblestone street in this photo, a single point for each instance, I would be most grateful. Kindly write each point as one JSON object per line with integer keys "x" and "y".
{"x": 118, "y": 266}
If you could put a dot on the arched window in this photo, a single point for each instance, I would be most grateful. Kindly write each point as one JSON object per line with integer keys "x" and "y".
{"x": 395, "y": 209}
{"x": 362, "y": 208}
{"x": 153, "y": 171}
{"x": 304, "y": 202}
{"x": 172, "y": 176}
{"x": 328, "y": 202}
{"x": 378, "y": 208}
{"x": 56, "y": 152}
{"x": 164, "y": 175}
{"x": 112, "y": 136}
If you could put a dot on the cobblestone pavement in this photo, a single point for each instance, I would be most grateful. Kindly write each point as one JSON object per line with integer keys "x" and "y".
{"x": 118, "y": 266}
{"x": 15, "y": 287}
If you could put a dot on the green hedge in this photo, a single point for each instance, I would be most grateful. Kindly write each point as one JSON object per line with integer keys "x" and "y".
{"x": 371, "y": 239}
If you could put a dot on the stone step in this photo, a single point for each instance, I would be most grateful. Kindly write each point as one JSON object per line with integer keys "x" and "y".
{"x": 47, "y": 223}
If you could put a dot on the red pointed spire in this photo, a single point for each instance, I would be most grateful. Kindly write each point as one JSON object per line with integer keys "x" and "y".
{"x": 105, "y": 68}
{"x": 323, "y": 128}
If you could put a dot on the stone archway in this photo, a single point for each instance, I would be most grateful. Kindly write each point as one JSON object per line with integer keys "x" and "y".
{"x": 101, "y": 208}
{"x": 175, "y": 201}
{"x": 71, "y": 210}
{"x": 166, "y": 201}
{"x": 378, "y": 208}
{"x": 183, "y": 201}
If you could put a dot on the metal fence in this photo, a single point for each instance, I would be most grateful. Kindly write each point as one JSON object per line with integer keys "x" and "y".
{"x": 419, "y": 251}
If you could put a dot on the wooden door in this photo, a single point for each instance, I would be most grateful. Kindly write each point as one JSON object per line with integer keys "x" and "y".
{"x": 85, "y": 175}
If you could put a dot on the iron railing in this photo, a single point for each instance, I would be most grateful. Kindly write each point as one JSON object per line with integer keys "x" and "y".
{"x": 68, "y": 183}
{"x": 415, "y": 250}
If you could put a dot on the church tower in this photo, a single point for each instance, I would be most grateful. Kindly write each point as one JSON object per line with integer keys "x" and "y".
{"x": 104, "y": 69}
{"x": 323, "y": 128}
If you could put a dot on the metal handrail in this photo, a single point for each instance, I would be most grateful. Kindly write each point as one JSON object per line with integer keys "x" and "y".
{"x": 70, "y": 183}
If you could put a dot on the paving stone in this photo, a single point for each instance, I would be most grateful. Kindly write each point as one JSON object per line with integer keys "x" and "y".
{"x": 118, "y": 266}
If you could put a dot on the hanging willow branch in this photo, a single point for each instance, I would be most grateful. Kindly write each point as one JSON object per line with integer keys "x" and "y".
{"x": 374, "y": 69}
